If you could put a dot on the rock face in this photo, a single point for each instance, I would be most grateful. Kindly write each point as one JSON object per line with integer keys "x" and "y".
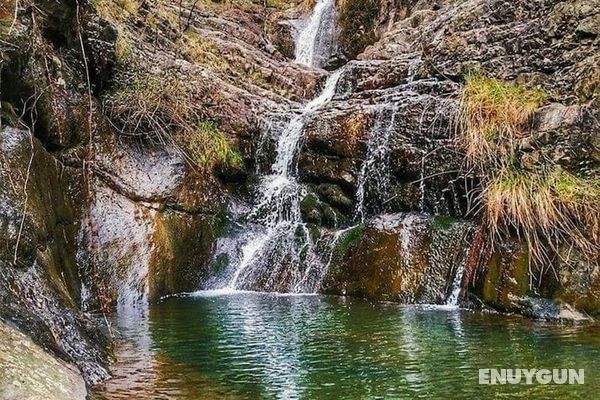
{"x": 28, "y": 372}
{"x": 39, "y": 280}
{"x": 386, "y": 143}
{"x": 409, "y": 258}
{"x": 150, "y": 224}
{"x": 95, "y": 219}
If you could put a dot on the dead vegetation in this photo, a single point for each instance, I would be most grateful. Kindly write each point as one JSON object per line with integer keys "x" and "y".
{"x": 547, "y": 207}
{"x": 161, "y": 106}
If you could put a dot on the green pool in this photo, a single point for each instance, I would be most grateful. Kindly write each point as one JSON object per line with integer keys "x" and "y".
{"x": 261, "y": 346}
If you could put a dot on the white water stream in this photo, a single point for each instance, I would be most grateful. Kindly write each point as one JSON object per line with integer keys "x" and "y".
{"x": 452, "y": 299}
{"x": 274, "y": 234}
{"x": 316, "y": 38}
{"x": 375, "y": 172}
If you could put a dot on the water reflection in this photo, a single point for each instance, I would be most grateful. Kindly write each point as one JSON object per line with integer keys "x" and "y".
{"x": 260, "y": 346}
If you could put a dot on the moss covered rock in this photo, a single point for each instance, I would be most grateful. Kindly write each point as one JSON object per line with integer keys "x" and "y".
{"x": 408, "y": 258}
{"x": 182, "y": 252}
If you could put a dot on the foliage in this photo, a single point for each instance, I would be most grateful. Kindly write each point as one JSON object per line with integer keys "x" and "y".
{"x": 208, "y": 144}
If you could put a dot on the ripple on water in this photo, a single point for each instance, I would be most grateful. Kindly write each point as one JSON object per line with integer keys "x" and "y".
{"x": 260, "y": 346}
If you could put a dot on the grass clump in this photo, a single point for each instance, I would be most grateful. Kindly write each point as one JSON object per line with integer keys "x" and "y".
{"x": 163, "y": 107}
{"x": 203, "y": 51}
{"x": 116, "y": 10}
{"x": 494, "y": 115}
{"x": 208, "y": 144}
{"x": 545, "y": 205}
{"x": 548, "y": 208}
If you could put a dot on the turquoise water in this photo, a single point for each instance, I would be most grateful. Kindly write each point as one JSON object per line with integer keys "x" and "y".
{"x": 260, "y": 346}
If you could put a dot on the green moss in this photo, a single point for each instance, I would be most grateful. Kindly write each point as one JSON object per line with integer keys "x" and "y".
{"x": 500, "y": 94}
{"x": 309, "y": 202}
{"x": 6, "y": 17}
{"x": 572, "y": 188}
{"x": 202, "y": 50}
{"x": 349, "y": 239}
{"x": 520, "y": 274}
{"x": 221, "y": 224}
{"x": 208, "y": 145}
{"x": 442, "y": 222}
{"x": 314, "y": 232}
{"x": 491, "y": 283}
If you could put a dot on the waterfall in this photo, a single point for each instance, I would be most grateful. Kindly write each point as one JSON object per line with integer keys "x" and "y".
{"x": 275, "y": 234}
{"x": 270, "y": 248}
{"x": 317, "y": 36}
{"x": 375, "y": 172}
{"x": 456, "y": 289}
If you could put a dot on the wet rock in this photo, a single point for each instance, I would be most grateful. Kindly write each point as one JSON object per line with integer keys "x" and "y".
{"x": 281, "y": 31}
{"x": 28, "y": 372}
{"x": 148, "y": 232}
{"x": 546, "y": 309}
{"x": 505, "y": 275}
{"x": 334, "y": 195}
{"x": 395, "y": 141}
{"x": 39, "y": 280}
{"x": 320, "y": 213}
{"x": 182, "y": 252}
{"x": 409, "y": 258}
{"x": 580, "y": 284}
{"x": 510, "y": 281}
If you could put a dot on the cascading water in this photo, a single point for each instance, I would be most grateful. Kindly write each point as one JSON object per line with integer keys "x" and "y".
{"x": 316, "y": 38}
{"x": 374, "y": 172}
{"x": 270, "y": 248}
{"x": 276, "y": 234}
{"x": 456, "y": 289}
{"x": 272, "y": 242}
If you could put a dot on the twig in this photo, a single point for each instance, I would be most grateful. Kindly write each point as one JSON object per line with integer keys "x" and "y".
{"x": 26, "y": 194}
{"x": 14, "y": 21}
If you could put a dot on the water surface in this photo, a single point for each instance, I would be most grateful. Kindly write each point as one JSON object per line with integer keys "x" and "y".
{"x": 261, "y": 346}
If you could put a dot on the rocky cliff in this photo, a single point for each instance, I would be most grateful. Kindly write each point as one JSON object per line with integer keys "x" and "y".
{"x": 133, "y": 132}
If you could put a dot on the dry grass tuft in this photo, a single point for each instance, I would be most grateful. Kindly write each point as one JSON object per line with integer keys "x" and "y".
{"x": 116, "y": 10}
{"x": 308, "y": 5}
{"x": 163, "y": 107}
{"x": 547, "y": 207}
{"x": 493, "y": 115}
{"x": 203, "y": 51}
